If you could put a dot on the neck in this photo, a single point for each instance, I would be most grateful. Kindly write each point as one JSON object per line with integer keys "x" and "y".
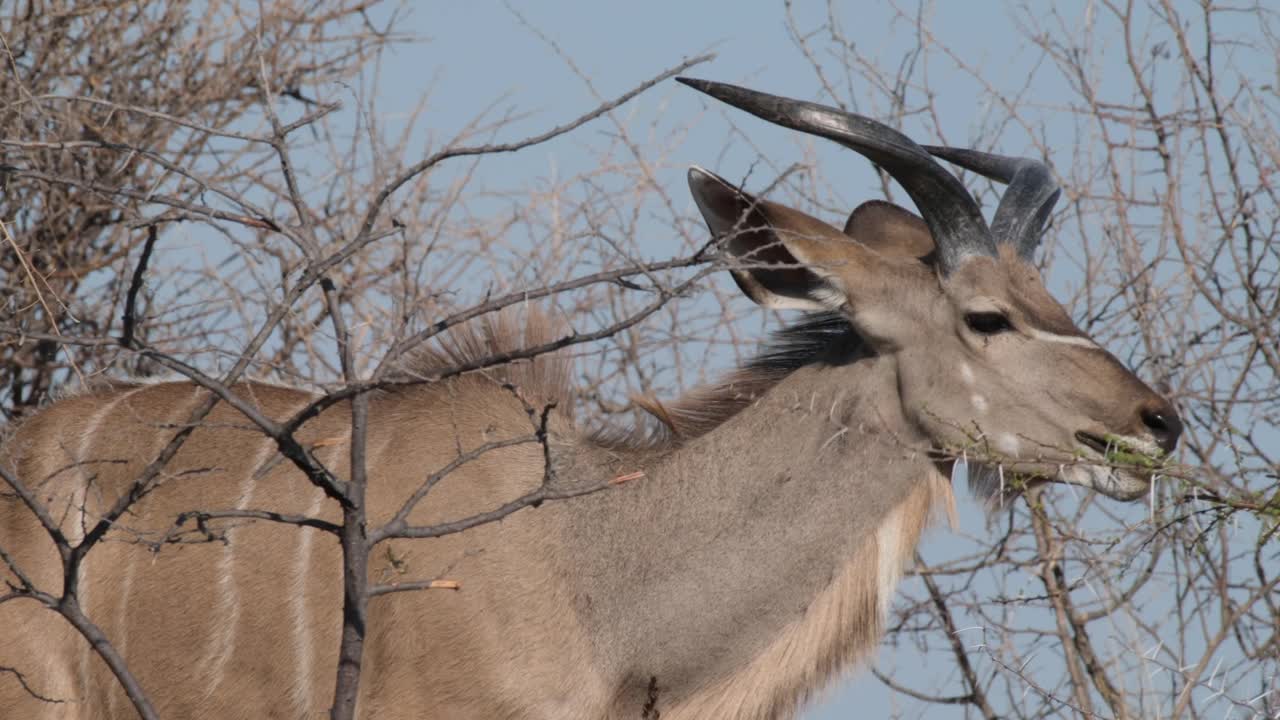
{"x": 759, "y": 558}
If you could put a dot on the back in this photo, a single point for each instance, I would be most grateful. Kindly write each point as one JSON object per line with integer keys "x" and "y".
{"x": 240, "y": 617}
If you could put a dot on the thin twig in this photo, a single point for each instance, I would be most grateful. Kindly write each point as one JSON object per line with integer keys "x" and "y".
{"x": 135, "y": 285}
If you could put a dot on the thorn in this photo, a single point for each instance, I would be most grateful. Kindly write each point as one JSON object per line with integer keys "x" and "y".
{"x": 627, "y": 478}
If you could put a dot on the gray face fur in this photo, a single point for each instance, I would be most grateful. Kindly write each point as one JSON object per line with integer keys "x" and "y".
{"x": 989, "y": 366}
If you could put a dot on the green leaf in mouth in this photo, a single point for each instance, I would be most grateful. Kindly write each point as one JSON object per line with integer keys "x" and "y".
{"x": 1121, "y": 451}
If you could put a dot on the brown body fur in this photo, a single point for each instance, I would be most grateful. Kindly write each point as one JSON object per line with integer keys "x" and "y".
{"x": 249, "y": 627}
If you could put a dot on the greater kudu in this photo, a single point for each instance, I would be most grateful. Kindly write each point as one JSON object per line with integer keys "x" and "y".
{"x": 755, "y": 559}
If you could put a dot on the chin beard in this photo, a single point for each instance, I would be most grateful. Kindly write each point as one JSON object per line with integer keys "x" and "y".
{"x": 993, "y": 486}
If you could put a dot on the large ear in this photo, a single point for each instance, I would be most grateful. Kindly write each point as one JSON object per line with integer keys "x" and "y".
{"x": 891, "y": 230}
{"x": 784, "y": 259}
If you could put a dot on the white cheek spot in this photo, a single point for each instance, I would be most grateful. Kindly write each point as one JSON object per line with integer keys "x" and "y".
{"x": 966, "y": 374}
{"x": 1008, "y": 444}
{"x": 979, "y": 403}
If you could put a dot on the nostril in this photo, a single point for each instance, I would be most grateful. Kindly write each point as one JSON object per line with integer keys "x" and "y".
{"x": 1155, "y": 421}
{"x": 1162, "y": 420}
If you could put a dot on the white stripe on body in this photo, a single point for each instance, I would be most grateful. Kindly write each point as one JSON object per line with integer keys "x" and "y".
{"x": 225, "y": 615}
{"x": 303, "y": 690}
{"x": 75, "y": 535}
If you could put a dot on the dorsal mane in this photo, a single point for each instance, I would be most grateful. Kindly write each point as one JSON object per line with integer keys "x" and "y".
{"x": 544, "y": 378}
{"x": 816, "y": 338}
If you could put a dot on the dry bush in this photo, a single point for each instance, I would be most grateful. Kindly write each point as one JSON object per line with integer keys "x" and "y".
{"x": 111, "y": 107}
{"x": 242, "y": 154}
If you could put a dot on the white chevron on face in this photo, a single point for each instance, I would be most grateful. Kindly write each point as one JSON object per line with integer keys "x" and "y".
{"x": 1076, "y": 340}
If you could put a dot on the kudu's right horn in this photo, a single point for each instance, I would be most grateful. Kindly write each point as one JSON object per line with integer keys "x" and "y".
{"x": 951, "y": 213}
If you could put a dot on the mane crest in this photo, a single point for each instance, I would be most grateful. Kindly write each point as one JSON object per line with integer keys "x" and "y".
{"x": 546, "y": 377}
{"x": 817, "y": 337}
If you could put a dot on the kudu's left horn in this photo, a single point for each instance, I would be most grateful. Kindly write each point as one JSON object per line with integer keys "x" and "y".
{"x": 1025, "y": 206}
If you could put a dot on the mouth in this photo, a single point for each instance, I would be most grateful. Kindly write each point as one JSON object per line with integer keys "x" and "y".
{"x": 1124, "y": 453}
{"x": 1120, "y": 467}
{"x": 1094, "y": 442}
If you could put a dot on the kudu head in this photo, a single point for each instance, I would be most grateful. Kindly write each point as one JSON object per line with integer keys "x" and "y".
{"x": 988, "y": 364}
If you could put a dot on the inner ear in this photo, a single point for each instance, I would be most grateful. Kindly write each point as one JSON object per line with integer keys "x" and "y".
{"x": 891, "y": 230}
{"x": 770, "y": 242}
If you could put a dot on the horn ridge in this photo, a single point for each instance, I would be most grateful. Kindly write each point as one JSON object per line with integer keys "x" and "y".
{"x": 1025, "y": 206}
{"x": 952, "y": 214}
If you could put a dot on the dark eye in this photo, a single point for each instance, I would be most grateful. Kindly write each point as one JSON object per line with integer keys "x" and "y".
{"x": 987, "y": 323}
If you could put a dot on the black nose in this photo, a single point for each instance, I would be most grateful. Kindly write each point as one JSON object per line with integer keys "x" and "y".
{"x": 1163, "y": 422}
